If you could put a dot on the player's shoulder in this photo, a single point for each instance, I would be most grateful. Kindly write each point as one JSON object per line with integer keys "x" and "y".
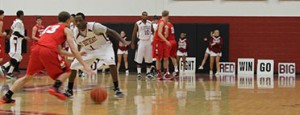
{"x": 139, "y": 22}
{"x": 148, "y": 21}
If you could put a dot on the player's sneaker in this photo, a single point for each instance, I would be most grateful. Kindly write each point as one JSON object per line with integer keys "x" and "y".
{"x": 69, "y": 93}
{"x": 153, "y": 71}
{"x": 10, "y": 76}
{"x": 201, "y": 67}
{"x": 217, "y": 73}
{"x": 139, "y": 76}
{"x": 211, "y": 73}
{"x": 175, "y": 73}
{"x": 55, "y": 92}
{"x": 2, "y": 71}
{"x": 149, "y": 77}
{"x": 118, "y": 93}
{"x": 4, "y": 99}
{"x": 167, "y": 76}
{"x": 159, "y": 76}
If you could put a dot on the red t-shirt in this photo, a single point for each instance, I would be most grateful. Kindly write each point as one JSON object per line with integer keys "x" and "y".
{"x": 171, "y": 32}
{"x": 53, "y": 36}
{"x": 38, "y": 33}
{"x": 156, "y": 37}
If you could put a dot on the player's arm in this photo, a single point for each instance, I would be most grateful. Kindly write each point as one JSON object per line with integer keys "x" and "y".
{"x": 166, "y": 31}
{"x": 4, "y": 33}
{"x": 152, "y": 29}
{"x": 160, "y": 34}
{"x": 66, "y": 53}
{"x": 34, "y": 29}
{"x": 116, "y": 35}
{"x": 75, "y": 52}
{"x": 133, "y": 36}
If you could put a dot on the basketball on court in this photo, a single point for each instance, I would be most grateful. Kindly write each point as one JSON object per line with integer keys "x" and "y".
{"x": 98, "y": 95}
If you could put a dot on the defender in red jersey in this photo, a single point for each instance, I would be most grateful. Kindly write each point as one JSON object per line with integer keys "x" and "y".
{"x": 47, "y": 54}
{"x": 161, "y": 45}
{"x": 37, "y": 30}
{"x": 170, "y": 31}
{"x": 2, "y": 36}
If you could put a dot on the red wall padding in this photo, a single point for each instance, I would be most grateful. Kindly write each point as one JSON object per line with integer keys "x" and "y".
{"x": 250, "y": 37}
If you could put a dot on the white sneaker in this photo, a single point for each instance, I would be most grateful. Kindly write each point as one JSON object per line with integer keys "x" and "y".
{"x": 217, "y": 73}
{"x": 211, "y": 72}
{"x": 127, "y": 72}
{"x": 201, "y": 68}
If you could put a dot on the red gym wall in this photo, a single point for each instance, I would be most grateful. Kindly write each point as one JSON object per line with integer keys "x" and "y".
{"x": 250, "y": 37}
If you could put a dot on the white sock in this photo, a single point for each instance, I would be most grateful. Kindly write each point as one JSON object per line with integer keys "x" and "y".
{"x": 11, "y": 69}
{"x": 175, "y": 68}
{"x": 6, "y": 64}
{"x": 139, "y": 70}
{"x": 148, "y": 69}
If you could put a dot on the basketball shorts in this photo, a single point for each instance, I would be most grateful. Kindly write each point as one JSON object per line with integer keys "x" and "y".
{"x": 173, "y": 49}
{"x": 160, "y": 50}
{"x": 144, "y": 51}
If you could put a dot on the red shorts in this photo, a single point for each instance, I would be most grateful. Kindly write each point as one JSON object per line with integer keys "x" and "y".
{"x": 173, "y": 49}
{"x": 45, "y": 58}
{"x": 160, "y": 50}
{"x": 2, "y": 51}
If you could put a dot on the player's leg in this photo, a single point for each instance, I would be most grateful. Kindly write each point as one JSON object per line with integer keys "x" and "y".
{"x": 139, "y": 56}
{"x": 218, "y": 65}
{"x": 148, "y": 60}
{"x": 125, "y": 58}
{"x": 173, "y": 57}
{"x": 114, "y": 75}
{"x": 212, "y": 61}
{"x": 13, "y": 64}
{"x": 71, "y": 80}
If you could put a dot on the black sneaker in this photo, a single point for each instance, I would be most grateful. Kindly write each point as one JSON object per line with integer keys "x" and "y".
{"x": 69, "y": 93}
{"x": 10, "y": 76}
{"x": 139, "y": 76}
{"x": 118, "y": 93}
{"x": 4, "y": 99}
{"x": 149, "y": 77}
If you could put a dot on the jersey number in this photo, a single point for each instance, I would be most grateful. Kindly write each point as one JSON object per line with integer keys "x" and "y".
{"x": 51, "y": 29}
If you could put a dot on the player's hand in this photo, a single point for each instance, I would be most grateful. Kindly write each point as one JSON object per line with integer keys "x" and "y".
{"x": 132, "y": 46}
{"x": 83, "y": 53}
{"x": 88, "y": 71}
{"x": 4, "y": 34}
{"x": 168, "y": 43}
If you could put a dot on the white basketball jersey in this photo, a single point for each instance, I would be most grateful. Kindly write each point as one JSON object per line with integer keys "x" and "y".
{"x": 18, "y": 26}
{"x": 182, "y": 43}
{"x": 94, "y": 37}
{"x": 144, "y": 30}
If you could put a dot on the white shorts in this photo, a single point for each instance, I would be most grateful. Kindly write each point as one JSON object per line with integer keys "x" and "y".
{"x": 179, "y": 53}
{"x": 104, "y": 55}
{"x": 215, "y": 54}
{"x": 207, "y": 51}
{"x": 122, "y": 52}
{"x": 16, "y": 56}
{"x": 144, "y": 51}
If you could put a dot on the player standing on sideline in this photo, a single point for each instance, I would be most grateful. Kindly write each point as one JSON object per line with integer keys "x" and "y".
{"x": 170, "y": 31}
{"x": 183, "y": 45}
{"x": 2, "y": 36}
{"x": 207, "y": 52}
{"x": 123, "y": 52}
{"x": 161, "y": 46}
{"x": 143, "y": 29}
{"x": 15, "y": 43}
{"x": 92, "y": 37}
{"x": 37, "y": 30}
{"x": 47, "y": 54}
{"x": 215, "y": 46}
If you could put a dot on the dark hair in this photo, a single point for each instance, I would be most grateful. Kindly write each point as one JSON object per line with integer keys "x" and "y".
{"x": 38, "y": 17}
{"x": 1, "y": 12}
{"x": 155, "y": 17}
{"x": 63, "y": 16}
{"x": 81, "y": 14}
{"x": 73, "y": 15}
{"x": 20, "y": 13}
{"x": 144, "y": 12}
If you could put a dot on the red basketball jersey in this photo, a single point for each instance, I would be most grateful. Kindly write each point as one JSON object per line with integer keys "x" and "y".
{"x": 53, "y": 36}
{"x": 156, "y": 37}
{"x": 171, "y": 32}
